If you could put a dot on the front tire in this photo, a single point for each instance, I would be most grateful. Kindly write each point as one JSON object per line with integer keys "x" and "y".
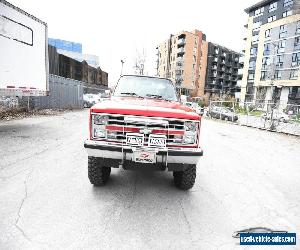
{"x": 185, "y": 179}
{"x": 97, "y": 173}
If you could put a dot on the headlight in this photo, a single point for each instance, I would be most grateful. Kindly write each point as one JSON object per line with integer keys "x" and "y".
{"x": 99, "y": 133}
{"x": 190, "y": 133}
{"x": 100, "y": 119}
{"x": 190, "y": 126}
{"x": 189, "y": 137}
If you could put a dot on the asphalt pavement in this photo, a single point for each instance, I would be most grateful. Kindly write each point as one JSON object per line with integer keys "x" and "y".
{"x": 246, "y": 178}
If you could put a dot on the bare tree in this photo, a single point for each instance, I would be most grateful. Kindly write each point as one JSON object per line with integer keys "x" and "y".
{"x": 139, "y": 62}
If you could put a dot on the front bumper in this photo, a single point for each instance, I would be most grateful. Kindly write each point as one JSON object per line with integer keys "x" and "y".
{"x": 174, "y": 159}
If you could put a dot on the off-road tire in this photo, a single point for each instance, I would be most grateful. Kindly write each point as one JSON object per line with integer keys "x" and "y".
{"x": 97, "y": 173}
{"x": 185, "y": 179}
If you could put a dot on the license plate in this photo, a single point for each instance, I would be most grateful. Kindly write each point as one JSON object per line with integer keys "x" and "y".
{"x": 135, "y": 139}
{"x": 157, "y": 141}
{"x": 144, "y": 157}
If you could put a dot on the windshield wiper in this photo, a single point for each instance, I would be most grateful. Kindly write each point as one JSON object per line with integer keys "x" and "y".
{"x": 155, "y": 96}
{"x": 132, "y": 94}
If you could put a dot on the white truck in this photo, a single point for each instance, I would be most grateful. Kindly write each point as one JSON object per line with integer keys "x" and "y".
{"x": 23, "y": 53}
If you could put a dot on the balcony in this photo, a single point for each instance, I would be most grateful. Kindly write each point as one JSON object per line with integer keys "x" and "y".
{"x": 214, "y": 67}
{"x": 178, "y": 72}
{"x": 181, "y": 42}
{"x": 178, "y": 79}
{"x": 215, "y": 59}
{"x": 181, "y": 51}
{"x": 222, "y": 62}
{"x": 179, "y": 61}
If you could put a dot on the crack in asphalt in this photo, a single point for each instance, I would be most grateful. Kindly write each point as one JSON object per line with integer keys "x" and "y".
{"x": 185, "y": 218}
{"x": 21, "y": 206}
{"x": 20, "y": 229}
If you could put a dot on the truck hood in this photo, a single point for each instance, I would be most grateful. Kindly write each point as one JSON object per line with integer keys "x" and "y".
{"x": 145, "y": 107}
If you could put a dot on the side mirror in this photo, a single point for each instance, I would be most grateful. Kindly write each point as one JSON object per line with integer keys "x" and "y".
{"x": 183, "y": 99}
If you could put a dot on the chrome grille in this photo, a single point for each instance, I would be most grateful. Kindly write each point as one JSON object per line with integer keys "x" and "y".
{"x": 135, "y": 123}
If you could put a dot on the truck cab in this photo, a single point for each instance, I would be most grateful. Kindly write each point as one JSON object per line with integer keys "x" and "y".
{"x": 143, "y": 126}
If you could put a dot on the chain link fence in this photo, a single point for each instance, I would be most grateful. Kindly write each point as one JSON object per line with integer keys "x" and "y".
{"x": 279, "y": 117}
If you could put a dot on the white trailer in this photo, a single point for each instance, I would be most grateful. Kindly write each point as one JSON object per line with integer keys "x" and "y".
{"x": 23, "y": 53}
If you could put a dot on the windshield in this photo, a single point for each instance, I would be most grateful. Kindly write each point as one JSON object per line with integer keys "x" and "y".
{"x": 146, "y": 87}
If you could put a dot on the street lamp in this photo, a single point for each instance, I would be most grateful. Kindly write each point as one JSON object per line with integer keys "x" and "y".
{"x": 122, "y": 61}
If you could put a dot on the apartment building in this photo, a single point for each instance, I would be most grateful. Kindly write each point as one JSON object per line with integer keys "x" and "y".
{"x": 272, "y": 52}
{"x": 222, "y": 71}
{"x": 182, "y": 58}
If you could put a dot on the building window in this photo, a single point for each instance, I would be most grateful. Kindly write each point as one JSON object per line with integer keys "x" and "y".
{"x": 271, "y": 18}
{"x": 278, "y": 74}
{"x": 281, "y": 46}
{"x": 267, "y": 47}
{"x": 265, "y": 62}
{"x": 251, "y": 76}
{"x": 296, "y": 59}
{"x": 287, "y": 13}
{"x": 256, "y": 25}
{"x": 298, "y": 28}
{"x": 273, "y": 7}
{"x": 263, "y": 75}
{"x": 287, "y": 3}
{"x": 268, "y": 33}
{"x": 259, "y": 11}
{"x": 294, "y": 74}
{"x": 282, "y": 31}
{"x": 297, "y": 42}
{"x": 252, "y": 65}
{"x": 279, "y": 61}
{"x": 253, "y": 51}
{"x": 255, "y": 39}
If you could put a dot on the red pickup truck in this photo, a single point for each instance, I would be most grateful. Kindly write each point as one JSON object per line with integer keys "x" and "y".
{"x": 143, "y": 125}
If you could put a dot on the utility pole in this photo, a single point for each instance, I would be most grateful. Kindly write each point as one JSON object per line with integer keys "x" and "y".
{"x": 272, "y": 78}
{"x": 122, "y": 62}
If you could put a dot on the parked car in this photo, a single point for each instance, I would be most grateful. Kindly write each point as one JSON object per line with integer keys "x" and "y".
{"x": 104, "y": 95}
{"x": 222, "y": 113}
{"x": 199, "y": 110}
{"x": 277, "y": 115}
{"x": 143, "y": 126}
{"x": 89, "y": 100}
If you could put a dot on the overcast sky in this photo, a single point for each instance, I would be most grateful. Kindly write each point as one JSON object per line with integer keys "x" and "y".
{"x": 116, "y": 30}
